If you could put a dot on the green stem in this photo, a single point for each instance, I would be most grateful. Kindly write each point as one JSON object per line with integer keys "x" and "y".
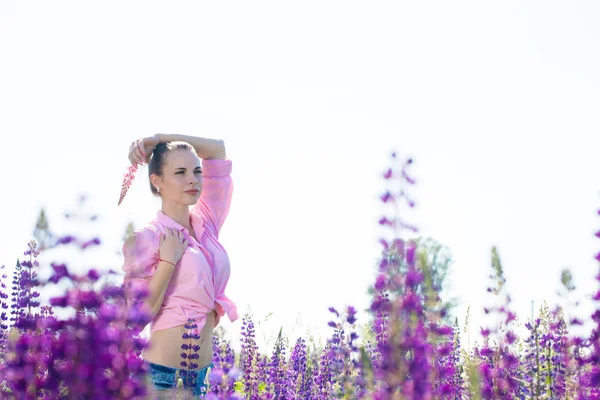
{"x": 537, "y": 361}
{"x": 549, "y": 357}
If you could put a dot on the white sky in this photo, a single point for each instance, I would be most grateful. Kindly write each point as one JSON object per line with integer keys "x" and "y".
{"x": 496, "y": 102}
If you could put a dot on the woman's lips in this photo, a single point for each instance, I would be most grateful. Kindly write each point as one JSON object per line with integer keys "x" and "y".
{"x": 192, "y": 191}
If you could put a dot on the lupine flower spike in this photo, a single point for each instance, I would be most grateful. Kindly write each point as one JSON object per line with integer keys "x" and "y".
{"x": 127, "y": 180}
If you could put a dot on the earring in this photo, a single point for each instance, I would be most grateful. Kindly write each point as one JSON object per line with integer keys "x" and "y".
{"x": 158, "y": 189}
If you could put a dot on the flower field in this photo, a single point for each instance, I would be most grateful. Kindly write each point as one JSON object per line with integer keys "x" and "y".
{"x": 410, "y": 349}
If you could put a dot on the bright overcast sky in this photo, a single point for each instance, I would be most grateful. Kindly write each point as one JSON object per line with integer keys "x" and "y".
{"x": 497, "y": 103}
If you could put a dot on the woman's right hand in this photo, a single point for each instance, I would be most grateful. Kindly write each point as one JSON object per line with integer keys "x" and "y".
{"x": 172, "y": 245}
{"x": 140, "y": 150}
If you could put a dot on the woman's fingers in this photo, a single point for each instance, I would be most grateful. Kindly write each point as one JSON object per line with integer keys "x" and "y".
{"x": 138, "y": 153}
{"x": 133, "y": 155}
{"x": 131, "y": 159}
{"x": 141, "y": 148}
{"x": 179, "y": 235}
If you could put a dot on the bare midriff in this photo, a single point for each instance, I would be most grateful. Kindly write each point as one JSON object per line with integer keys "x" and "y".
{"x": 165, "y": 345}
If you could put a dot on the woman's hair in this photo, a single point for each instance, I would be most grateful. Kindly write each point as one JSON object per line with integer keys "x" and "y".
{"x": 159, "y": 155}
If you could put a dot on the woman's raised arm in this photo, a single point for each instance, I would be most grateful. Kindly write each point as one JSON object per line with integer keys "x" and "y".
{"x": 207, "y": 149}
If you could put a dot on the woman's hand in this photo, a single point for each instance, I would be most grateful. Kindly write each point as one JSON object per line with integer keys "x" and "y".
{"x": 140, "y": 150}
{"x": 172, "y": 245}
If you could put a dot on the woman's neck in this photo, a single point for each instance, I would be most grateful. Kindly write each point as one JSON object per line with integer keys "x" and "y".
{"x": 179, "y": 213}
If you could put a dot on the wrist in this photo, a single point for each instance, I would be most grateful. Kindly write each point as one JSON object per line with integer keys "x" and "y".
{"x": 162, "y": 137}
{"x": 168, "y": 261}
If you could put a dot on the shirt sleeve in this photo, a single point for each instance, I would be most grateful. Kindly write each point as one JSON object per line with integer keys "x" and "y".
{"x": 217, "y": 188}
{"x": 140, "y": 252}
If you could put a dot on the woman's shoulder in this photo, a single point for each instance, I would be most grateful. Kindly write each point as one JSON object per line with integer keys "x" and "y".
{"x": 140, "y": 250}
{"x": 146, "y": 236}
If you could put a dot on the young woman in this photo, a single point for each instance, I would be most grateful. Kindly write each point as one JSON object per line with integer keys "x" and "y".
{"x": 177, "y": 255}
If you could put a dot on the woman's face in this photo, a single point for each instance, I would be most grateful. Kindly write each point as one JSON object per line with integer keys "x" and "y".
{"x": 181, "y": 173}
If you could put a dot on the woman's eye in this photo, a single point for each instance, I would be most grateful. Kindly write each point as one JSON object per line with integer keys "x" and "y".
{"x": 198, "y": 172}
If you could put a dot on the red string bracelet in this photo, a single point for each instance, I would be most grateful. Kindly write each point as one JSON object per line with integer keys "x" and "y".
{"x": 160, "y": 259}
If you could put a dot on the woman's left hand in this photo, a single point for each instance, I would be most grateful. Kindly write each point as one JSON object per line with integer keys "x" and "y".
{"x": 140, "y": 150}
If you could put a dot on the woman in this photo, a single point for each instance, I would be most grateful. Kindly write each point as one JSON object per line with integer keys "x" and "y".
{"x": 177, "y": 255}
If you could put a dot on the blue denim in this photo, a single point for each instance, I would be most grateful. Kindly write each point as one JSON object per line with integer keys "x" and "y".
{"x": 163, "y": 377}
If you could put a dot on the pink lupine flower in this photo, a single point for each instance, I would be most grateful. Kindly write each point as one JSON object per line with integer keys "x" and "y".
{"x": 127, "y": 180}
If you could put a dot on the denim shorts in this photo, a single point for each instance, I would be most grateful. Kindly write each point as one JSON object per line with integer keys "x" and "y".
{"x": 163, "y": 378}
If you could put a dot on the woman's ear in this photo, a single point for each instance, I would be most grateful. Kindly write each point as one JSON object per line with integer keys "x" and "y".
{"x": 154, "y": 180}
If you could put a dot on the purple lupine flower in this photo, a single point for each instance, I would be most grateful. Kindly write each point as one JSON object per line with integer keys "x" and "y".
{"x": 322, "y": 388}
{"x": 381, "y": 307}
{"x": 223, "y": 355}
{"x": 27, "y": 283}
{"x": 16, "y": 307}
{"x": 192, "y": 353}
{"x": 262, "y": 374}
{"x": 60, "y": 271}
{"x": 66, "y": 239}
{"x": 3, "y": 317}
{"x": 351, "y": 318}
{"x": 407, "y": 177}
{"x": 73, "y": 355}
{"x": 499, "y": 365}
{"x": 577, "y": 347}
{"x": 249, "y": 357}
{"x": 345, "y": 357}
{"x": 296, "y": 372}
{"x": 386, "y": 197}
{"x": 277, "y": 369}
{"x": 453, "y": 381}
{"x": 592, "y": 377}
{"x": 558, "y": 355}
{"x": 221, "y": 384}
{"x": 91, "y": 242}
{"x": 400, "y": 325}
{"x": 531, "y": 362}
{"x": 380, "y": 282}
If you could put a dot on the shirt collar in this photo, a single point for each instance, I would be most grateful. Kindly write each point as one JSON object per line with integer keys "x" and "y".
{"x": 196, "y": 220}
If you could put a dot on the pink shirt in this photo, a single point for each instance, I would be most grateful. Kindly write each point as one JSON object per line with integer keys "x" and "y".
{"x": 199, "y": 280}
